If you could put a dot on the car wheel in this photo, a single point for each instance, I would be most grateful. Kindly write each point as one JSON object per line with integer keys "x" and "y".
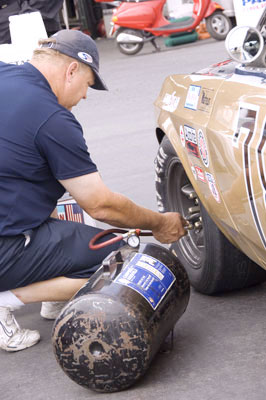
{"x": 213, "y": 264}
{"x": 218, "y": 25}
{"x": 129, "y": 48}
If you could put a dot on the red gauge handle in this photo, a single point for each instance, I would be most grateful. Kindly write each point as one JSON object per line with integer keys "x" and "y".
{"x": 117, "y": 238}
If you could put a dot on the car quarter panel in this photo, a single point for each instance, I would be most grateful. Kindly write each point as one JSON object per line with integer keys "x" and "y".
{"x": 216, "y": 123}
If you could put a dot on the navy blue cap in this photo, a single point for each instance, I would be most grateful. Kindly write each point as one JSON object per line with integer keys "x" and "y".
{"x": 80, "y": 46}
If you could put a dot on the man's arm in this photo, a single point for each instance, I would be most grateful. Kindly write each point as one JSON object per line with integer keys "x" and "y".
{"x": 102, "y": 204}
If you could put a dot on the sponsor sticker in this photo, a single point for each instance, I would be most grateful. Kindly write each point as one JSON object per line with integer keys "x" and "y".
{"x": 170, "y": 102}
{"x": 205, "y": 102}
{"x": 191, "y": 141}
{"x": 192, "y": 97}
{"x": 147, "y": 276}
{"x": 200, "y": 174}
{"x": 212, "y": 186}
{"x": 203, "y": 148}
{"x": 182, "y": 136}
{"x": 85, "y": 57}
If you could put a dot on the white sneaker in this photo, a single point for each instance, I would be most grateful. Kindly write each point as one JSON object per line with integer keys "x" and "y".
{"x": 51, "y": 309}
{"x": 12, "y": 337}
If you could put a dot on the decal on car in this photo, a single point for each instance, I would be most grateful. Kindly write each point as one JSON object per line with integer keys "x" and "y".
{"x": 245, "y": 121}
{"x": 202, "y": 144}
{"x": 170, "y": 102}
{"x": 205, "y": 101}
{"x": 194, "y": 172}
{"x": 200, "y": 174}
{"x": 191, "y": 141}
{"x": 192, "y": 97}
{"x": 237, "y": 134}
{"x": 182, "y": 136}
{"x": 212, "y": 185}
{"x": 248, "y": 113}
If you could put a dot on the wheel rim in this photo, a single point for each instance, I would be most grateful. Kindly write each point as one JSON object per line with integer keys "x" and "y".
{"x": 192, "y": 245}
{"x": 130, "y": 47}
{"x": 220, "y": 24}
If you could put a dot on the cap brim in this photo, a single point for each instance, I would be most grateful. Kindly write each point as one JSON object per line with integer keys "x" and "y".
{"x": 98, "y": 83}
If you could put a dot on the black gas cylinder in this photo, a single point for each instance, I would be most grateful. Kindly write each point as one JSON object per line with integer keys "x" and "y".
{"x": 107, "y": 335}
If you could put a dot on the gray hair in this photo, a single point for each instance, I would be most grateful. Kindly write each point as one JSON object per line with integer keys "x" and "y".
{"x": 46, "y": 53}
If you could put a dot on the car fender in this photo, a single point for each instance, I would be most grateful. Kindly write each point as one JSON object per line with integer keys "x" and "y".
{"x": 223, "y": 155}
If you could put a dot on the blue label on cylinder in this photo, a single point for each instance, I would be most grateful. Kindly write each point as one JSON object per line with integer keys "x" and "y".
{"x": 147, "y": 276}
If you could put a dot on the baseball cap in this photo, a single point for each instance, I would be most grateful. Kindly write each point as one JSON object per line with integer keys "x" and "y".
{"x": 80, "y": 46}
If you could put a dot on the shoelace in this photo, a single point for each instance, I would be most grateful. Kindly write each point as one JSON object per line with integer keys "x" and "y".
{"x": 13, "y": 319}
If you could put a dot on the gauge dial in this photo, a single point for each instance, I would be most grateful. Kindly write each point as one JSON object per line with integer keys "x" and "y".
{"x": 133, "y": 241}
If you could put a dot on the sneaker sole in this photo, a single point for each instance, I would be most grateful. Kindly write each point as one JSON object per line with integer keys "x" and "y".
{"x": 19, "y": 348}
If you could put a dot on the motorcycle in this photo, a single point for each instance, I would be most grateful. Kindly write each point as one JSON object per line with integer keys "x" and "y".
{"x": 136, "y": 22}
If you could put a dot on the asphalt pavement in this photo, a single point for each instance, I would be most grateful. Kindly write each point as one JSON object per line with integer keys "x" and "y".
{"x": 219, "y": 343}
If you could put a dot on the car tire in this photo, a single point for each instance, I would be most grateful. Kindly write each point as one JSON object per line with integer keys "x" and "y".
{"x": 129, "y": 49}
{"x": 213, "y": 264}
{"x": 218, "y": 25}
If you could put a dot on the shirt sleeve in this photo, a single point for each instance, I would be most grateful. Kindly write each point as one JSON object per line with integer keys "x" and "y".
{"x": 60, "y": 141}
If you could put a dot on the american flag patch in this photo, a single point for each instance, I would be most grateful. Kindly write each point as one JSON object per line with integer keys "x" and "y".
{"x": 70, "y": 212}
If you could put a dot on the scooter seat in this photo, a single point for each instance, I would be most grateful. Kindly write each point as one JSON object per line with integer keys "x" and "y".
{"x": 175, "y": 25}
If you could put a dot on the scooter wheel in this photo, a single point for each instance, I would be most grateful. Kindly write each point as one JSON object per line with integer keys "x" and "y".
{"x": 218, "y": 25}
{"x": 129, "y": 48}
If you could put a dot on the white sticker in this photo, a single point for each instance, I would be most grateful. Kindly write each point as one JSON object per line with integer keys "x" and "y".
{"x": 192, "y": 97}
{"x": 85, "y": 57}
{"x": 194, "y": 171}
{"x": 170, "y": 102}
{"x": 202, "y": 144}
{"x": 212, "y": 186}
{"x": 200, "y": 174}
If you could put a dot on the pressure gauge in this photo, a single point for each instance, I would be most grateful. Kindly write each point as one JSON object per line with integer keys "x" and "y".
{"x": 133, "y": 240}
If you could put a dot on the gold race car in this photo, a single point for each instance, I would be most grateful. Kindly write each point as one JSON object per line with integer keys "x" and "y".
{"x": 211, "y": 164}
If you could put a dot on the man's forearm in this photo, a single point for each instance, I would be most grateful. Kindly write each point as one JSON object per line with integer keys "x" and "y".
{"x": 124, "y": 213}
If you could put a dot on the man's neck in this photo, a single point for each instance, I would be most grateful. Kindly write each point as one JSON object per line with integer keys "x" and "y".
{"x": 51, "y": 73}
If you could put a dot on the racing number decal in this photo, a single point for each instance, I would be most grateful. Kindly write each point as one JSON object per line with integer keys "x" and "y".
{"x": 247, "y": 120}
{"x": 260, "y": 151}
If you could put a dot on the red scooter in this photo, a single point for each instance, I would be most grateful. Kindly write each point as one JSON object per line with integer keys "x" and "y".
{"x": 138, "y": 21}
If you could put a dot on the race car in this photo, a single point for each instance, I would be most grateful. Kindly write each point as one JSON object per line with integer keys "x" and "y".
{"x": 211, "y": 164}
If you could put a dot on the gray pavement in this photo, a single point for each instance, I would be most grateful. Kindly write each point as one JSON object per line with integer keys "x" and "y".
{"x": 219, "y": 346}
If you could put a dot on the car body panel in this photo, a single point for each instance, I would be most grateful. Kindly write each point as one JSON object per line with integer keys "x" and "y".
{"x": 215, "y": 120}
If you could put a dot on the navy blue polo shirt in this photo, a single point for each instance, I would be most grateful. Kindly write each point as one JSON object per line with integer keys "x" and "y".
{"x": 40, "y": 143}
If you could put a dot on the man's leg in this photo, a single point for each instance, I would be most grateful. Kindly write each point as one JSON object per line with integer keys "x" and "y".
{"x": 13, "y": 338}
{"x": 35, "y": 272}
{"x": 56, "y": 289}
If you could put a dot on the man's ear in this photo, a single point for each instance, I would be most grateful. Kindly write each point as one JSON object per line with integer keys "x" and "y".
{"x": 72, "y": 69}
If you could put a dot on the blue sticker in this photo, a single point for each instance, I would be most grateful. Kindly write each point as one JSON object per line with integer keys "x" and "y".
{"x": 147, "y": 276}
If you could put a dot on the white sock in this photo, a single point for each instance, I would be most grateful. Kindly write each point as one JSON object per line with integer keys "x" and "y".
{"x": 8, "y": 299}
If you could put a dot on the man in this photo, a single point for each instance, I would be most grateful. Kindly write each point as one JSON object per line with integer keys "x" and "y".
{"x": 42, "y": 154}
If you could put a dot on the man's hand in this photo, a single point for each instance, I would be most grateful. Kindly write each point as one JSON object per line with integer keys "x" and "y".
{"x": 171, "y": 229}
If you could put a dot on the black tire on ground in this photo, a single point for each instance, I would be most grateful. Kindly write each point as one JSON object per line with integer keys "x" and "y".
{"x": 132, "y": 48}
{"x": 218, "y": 25}
{"x": 213, "y": 264}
